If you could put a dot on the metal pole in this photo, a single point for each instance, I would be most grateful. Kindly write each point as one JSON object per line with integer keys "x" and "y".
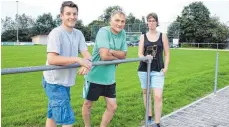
{"x": 216, "y": 72}
{"x": 179, "y": 35}
{"x": 17, "y": 22}
{"x": 147, "y": 91}
{"x": 5, "y": 71}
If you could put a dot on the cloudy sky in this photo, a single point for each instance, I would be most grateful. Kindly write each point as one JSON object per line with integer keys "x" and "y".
{"x": 89, "y": 10}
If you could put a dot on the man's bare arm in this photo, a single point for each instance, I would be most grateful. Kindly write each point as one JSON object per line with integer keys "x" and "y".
{"x": 106, "y": 55}
{"x": 56, "y": 59}
{"x": 118, "y": 54}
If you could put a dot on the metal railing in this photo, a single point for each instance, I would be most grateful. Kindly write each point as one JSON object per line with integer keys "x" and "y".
{"x": 6, "y": 71}
{"x": 205, "y": 45}
{"x": 216, "y": 72}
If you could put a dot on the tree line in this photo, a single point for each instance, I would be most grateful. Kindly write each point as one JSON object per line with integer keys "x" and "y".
{"x": 29, "y": 27}
{"x": 194, "y": 25}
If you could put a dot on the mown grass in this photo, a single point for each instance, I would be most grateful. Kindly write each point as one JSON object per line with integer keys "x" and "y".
{"x": 190, "y": 77}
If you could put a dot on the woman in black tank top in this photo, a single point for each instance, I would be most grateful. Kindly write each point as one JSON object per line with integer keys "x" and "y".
{"x": 155, "y": 45}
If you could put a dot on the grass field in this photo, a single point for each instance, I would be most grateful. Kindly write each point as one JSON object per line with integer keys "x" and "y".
{"x": 190, "y": 76}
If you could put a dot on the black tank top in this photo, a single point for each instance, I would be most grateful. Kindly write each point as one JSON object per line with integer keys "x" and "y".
{"x": 157, "y": 63}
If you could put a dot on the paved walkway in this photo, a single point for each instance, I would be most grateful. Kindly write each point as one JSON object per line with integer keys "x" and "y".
{"x": 210, "y": 111}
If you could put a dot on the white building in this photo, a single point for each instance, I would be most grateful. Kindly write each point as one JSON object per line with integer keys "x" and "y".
{"x": 40, "y": 39}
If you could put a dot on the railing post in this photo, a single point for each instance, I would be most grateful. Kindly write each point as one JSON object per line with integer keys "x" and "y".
{"x": 147, "y": 91}
{"x": 216, "y": 72}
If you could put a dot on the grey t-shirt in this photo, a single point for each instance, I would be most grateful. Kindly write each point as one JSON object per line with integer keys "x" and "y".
{"x": 68, "y": 44}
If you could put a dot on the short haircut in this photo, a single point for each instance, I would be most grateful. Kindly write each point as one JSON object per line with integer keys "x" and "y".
{"x": 117, "y": 12}
{"x": 68, "y": 4}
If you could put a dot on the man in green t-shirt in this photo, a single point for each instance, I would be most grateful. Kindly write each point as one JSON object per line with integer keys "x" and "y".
{"x": 110, "y": 44}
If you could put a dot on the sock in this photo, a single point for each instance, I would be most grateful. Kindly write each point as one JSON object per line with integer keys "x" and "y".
{"x": 149, "y": 117}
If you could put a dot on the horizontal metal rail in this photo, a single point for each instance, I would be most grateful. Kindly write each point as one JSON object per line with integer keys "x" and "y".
{"x": 6, "y": 71}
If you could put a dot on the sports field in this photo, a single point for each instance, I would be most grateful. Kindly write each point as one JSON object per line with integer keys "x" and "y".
{"x": 190, "y": 76}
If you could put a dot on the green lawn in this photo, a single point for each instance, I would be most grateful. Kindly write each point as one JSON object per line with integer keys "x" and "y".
{"x": 190, "y": 76}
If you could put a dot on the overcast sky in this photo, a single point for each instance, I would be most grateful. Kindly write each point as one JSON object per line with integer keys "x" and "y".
{"x": 89, "y": 10}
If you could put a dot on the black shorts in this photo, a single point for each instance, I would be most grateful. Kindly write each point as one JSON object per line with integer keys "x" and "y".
{"x": 93, "y": 91}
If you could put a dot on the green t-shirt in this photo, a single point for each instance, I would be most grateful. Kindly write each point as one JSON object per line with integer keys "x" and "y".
{"x": 105, "y": 74}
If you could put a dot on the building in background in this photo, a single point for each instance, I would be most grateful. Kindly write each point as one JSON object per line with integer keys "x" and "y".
{"x": 40, "y": 39}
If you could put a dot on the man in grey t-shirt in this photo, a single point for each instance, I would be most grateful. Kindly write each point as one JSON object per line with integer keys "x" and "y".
{"x": 64, "y": 44}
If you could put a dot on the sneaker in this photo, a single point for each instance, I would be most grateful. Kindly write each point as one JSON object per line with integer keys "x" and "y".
{"x": 150, "y": 122}
{"x": 156, "y": 125}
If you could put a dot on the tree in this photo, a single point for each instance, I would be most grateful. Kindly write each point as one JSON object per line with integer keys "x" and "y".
{"x": 197, "y": 26}
{"x": 105, "y": 17}
{"x": 143, "y": 25}
{"x": 194, "y": 22}
{"x": 9, "y": 36}
{"x": 58, "y": 20}
{"x": 8, "y": 24}
{"x": 94, "y": 27}
{"x": 173, "y": 31}
{"x": 44, "y": 24}
{"x": 24, "y": 23}
{"x": 218, "y": 32}
{"x": 131, "y": 19}
{"x": 85, "y": 30}
{"x": 133, "y": 24}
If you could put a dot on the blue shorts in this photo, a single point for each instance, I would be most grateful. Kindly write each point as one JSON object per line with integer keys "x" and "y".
{"x": 59, "y": 107}
{"x": 156, "y": 79}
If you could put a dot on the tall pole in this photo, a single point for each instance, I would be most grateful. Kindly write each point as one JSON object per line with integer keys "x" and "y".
{"x": 17, "y": 22}
{"x": 149, "y": 61}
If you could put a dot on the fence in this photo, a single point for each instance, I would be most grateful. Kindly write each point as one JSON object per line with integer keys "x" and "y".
{"x": 135, "y": 27}
{"x": 141, "y": 28}
{"x": 52, "y": 67}
{"x": 205, "y": 45}
{"x": 99, "y": 63}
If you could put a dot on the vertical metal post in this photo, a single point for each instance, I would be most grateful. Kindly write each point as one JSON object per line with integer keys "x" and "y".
{"x": 17, "y": 22}
{"x": 216, "y": 72}
{"x": 147, "y": 91}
